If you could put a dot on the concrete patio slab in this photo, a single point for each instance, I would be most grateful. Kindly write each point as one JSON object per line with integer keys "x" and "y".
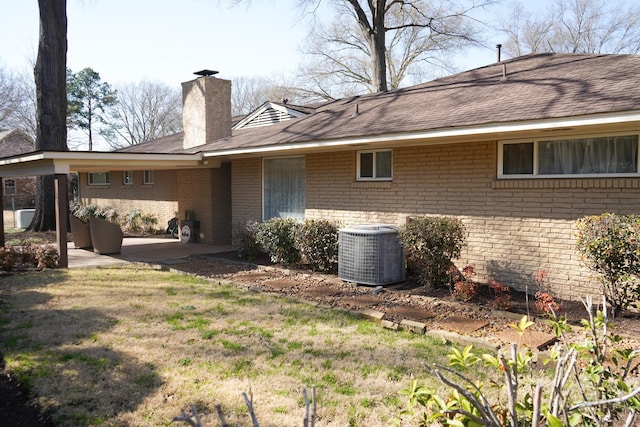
{"x": 142, "y": 249}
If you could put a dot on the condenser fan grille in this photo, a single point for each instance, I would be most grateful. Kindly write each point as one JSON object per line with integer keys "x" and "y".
{"x": 370, "y": 255}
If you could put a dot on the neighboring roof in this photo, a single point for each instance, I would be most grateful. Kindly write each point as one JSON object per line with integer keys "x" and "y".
{"x": 14, "y": 142}
{"x": 538, "y": 87}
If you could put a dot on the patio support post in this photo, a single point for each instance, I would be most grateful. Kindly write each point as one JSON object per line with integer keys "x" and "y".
{"x": 62, "y": 204}
{"x": 2, "y": 215}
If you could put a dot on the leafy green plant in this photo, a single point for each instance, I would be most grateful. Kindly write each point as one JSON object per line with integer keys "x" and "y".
{"x": 132, "y": 220}
{"x": 244, "y": 238}
{"x": 277, "y": 237}
{"x": 610, "y": 245}
{"x": 430, "y": 244}
{"x": 149, "y": 221}
{"x": 86, "y": 212}
{"x": 317, "y": 241}
{"x": 591, "y": 385}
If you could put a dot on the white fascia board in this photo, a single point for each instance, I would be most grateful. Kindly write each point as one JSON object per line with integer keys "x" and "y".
{"x": 63, "y": 162}
{"x": 434, "y": 134}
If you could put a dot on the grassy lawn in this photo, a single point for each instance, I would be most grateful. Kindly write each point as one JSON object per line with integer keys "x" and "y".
{"x": 134, "y": 346}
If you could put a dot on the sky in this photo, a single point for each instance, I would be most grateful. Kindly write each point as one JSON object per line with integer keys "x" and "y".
{"x": 162, "y": 40}
{"x": 167, "y": 40}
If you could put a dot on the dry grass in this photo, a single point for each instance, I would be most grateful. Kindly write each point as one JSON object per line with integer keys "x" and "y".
{"x": 134, "y": 346}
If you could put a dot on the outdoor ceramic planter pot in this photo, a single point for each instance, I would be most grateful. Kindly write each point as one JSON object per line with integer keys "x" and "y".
{"x": 105, "y": 236}
{"x": 80, "y": 232}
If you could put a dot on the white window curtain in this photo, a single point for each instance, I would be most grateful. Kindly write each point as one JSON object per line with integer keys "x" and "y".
{"x": 284, "y": 185}
{"x": 589, "y": 156}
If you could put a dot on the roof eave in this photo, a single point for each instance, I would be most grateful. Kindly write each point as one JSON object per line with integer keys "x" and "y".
{"x": 442, "y": 135}
{"x": 64, "y": 162}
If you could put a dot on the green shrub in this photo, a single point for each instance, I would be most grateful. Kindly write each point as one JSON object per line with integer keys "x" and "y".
{"x": 430, "y": 244}
{"x": 318, "y": 244}
{"x": 132, "y": 220}
{"x": 277, "y": 237}
{"x": 244, "y": 238}
{"x": 610, "y": 245}
{"x": 149, "y": 221}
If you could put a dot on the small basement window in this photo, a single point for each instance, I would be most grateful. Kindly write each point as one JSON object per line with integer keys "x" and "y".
{"x": 375, "y": 165}
{"x": 99, "y": 178}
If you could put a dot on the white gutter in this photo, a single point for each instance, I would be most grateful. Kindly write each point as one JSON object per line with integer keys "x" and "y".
{"x": 520, "y": 126}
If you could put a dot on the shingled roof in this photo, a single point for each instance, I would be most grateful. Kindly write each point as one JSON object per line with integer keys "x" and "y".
{"x": 532, "y": 87}
{"x": 14, "y": 142}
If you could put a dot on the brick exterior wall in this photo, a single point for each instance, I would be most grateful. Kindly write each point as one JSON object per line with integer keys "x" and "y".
{"x": 158, "y": 198}
{"x": 204, "y": 191}
{"x": 207, "y": 192}
{"x": 246, "y": 191}
{"x": 514, "y": 227}
{"x": 24, "y": 196}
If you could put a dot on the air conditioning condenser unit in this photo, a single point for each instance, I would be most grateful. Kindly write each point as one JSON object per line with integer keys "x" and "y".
{"x": 370, "y": 255}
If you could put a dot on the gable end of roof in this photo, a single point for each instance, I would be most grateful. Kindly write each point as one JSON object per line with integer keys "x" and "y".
{"x": 268, "y": 114}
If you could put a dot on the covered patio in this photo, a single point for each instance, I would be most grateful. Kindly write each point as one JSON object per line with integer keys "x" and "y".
{"x": 61, "y": 164}
{"x": 154, "y": 250}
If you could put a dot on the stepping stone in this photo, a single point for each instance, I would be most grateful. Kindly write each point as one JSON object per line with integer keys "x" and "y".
{"x": 360, "y": 301}
{"x": 412, "y": 313}
{"x": 532, "y": 339}
{"x": 460, "y": 324}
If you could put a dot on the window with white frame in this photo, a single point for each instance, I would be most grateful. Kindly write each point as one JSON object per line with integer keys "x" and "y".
{"x": 283, "y": 188}
{"x": 148, "y": 177}
{"x": 98, "y": 178}
{"x": 375, "y": 165}
{"x": 127, "y": 178}
{"x": 615, "y": 155}
{"x": 9, "y": 187}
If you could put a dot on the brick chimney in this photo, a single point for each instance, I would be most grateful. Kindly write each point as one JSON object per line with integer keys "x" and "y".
{"x": 206, "y": 109}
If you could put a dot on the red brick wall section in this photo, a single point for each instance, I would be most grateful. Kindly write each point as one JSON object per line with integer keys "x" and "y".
{"x": 25, "y": 193}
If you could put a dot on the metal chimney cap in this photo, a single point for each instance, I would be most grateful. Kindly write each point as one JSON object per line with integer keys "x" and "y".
{"x": 205, "y": 73}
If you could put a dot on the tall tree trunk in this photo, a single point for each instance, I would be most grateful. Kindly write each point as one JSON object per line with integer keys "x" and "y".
{"x": 375, "y": 33}
{"x": 379, "y": 49}
{"x": 51, "y": 101}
